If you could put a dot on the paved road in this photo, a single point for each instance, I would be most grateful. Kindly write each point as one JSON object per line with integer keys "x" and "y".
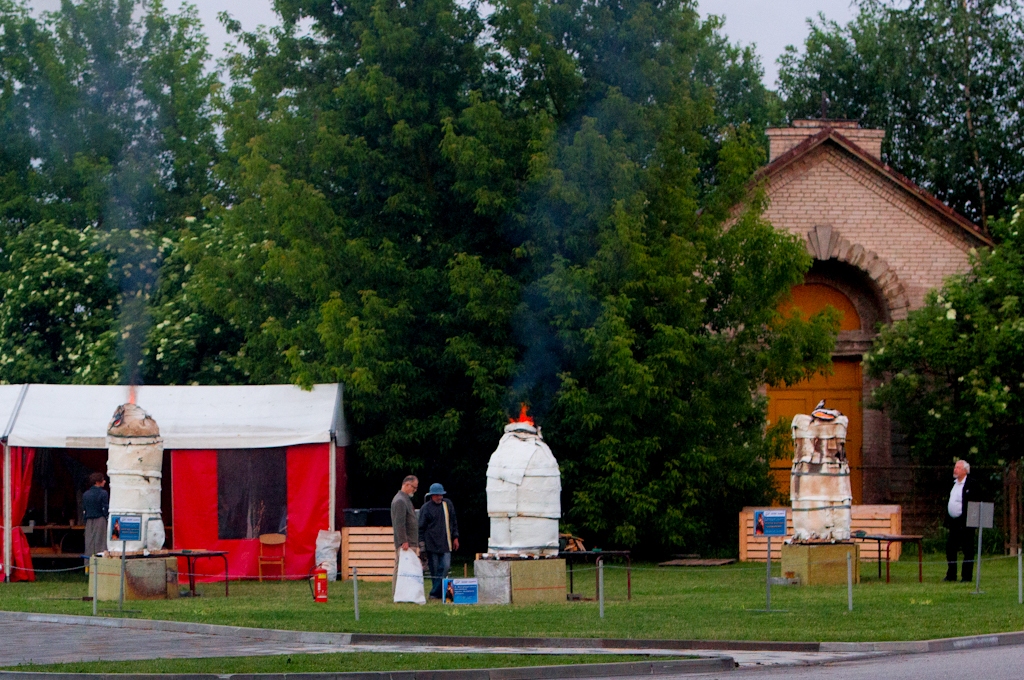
{"x": 44, "y": 642}
{"x": 995, "y": 663}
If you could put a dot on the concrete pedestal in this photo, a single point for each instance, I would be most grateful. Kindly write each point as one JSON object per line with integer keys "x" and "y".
{"x": 819, "y": 564}
{"x": 494, "y": 579}
{"x": 150, "y": 579}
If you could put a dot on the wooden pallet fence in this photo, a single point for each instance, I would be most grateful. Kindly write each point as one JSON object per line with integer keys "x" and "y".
{"x": 369, "y": 549}
{"x": 873, "y": 519}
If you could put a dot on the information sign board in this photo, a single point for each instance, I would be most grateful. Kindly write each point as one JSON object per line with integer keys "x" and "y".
{"x": 126, "y": 527}
{"x": 461, "y": 590}
{"x": 980, "y": 514}
{"x": 769, "y": 522}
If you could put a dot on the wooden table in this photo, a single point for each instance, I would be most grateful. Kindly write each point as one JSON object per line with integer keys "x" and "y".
{"x": 190, "y": 558}
{"x": 56, "y": 548}
{"x": 889, "y": 539}
{"x": 571, "y": 556}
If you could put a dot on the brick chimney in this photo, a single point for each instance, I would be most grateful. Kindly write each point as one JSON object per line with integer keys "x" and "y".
{"x": 782, "y": 140}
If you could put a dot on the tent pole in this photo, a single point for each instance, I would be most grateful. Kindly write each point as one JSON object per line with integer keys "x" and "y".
{"x": 8, "y": 542}
{"x": 333, "y": 483}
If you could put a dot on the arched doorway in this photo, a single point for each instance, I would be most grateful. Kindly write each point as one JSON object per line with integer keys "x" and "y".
{"x": 841, "y": 390}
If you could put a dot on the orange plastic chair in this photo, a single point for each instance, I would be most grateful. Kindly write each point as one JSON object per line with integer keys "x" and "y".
{"x": 270, "y": 555}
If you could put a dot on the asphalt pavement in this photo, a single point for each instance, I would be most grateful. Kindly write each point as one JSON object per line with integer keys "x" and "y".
{"x": 994, "y": 663}
{"x": 41, "y": 638}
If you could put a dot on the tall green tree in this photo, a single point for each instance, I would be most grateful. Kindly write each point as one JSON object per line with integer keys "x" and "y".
{"x": 953, "y": 372}
{"x": 557, "y": 210}
{"x": 653, "y": 281}
{"x": 109, "y": 141}
{"x": 945, "y": 78}
{"x": 342, "y": 252}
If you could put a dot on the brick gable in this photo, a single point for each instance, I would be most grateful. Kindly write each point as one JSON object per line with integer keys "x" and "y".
{"x": 829, "y": 187}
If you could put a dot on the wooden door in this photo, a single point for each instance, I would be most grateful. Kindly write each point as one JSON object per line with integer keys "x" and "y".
{"x": 842, "y": 390}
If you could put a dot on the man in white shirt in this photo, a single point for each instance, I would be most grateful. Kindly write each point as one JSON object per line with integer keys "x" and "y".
{"x": 960, "y": 538}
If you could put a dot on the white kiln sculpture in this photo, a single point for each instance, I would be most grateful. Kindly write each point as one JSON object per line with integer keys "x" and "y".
{"x": 524, "y": 489}
{"x": 135, "y": 456}
{"x": 820, "y": 481}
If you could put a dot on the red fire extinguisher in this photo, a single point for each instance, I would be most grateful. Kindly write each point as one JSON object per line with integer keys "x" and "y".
{"x": 319, "y": 585}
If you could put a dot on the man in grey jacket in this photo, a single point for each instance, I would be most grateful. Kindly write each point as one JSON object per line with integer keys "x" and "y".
{"x": 403, "y": 520}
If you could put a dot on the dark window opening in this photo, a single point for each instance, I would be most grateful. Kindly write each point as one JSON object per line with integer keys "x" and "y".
{"x": 252, "y": 492}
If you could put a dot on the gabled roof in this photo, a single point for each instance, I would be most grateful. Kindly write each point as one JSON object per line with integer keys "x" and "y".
{"x": 834, "y": 136}
{"x": 189, "y": 416}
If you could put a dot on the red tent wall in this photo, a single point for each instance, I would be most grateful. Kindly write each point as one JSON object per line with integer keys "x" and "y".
{"x": 21, "y": 485}
{"x": 194, "y": 493}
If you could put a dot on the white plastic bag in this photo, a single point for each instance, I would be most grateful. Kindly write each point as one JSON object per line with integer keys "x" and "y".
{"x": 410, "y": 579}
{"x": 328, "y": 543}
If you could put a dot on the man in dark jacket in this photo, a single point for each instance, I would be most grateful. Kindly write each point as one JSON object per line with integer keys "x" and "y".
{"x": 95, "y": 506}
{"x": 960, "y": 537}
{"x": 439, "y": 533}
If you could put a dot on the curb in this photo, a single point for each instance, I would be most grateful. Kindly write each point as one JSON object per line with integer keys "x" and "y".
{"x": 603, "y": 670}
{"x": 307, "y": 637}
{"x": 923, "y": 646}
{"x": 894, "y": 647}
{"x": 434, "y": 640}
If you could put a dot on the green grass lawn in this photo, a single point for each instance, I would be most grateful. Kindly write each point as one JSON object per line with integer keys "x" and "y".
{"x": 324, "y": 663}
{"x": 713, "y": 603}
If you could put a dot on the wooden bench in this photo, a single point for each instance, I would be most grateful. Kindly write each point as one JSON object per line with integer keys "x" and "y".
{"x": 371, "y": 550}
{"x": 871, "y": 519}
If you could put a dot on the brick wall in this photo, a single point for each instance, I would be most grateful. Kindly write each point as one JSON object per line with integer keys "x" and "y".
{"x": 830, "y": 187}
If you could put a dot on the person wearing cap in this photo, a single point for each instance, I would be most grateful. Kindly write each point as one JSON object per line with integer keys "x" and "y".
{"x": 439, "y": 536}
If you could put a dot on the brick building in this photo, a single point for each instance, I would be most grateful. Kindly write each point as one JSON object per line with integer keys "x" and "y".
{"x": 879, "y": 243}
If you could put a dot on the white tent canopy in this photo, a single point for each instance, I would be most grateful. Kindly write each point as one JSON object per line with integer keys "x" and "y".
{"x": 189, "y": 416}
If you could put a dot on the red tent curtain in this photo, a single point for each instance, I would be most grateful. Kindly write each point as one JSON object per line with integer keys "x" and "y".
{"x": 21, "y": 484}
{"x": 194, "y": 492}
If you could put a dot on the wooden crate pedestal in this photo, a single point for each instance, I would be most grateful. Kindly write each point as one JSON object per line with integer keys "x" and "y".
{"x": 820, "y": 564}
{"x": 371, "y": 550}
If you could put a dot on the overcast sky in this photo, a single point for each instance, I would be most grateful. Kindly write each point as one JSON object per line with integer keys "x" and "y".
{"x": 770, "y": 24}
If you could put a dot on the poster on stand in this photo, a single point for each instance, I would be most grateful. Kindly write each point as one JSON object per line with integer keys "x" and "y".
{"x": 461, "y": 590}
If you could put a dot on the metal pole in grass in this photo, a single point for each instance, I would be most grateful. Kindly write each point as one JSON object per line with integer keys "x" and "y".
{"x": 977, "y": 566}
{"x": 120, "y": 599}
{"x": 849, "y": 581}
{"x": 768, "y": 578}
{"x": 600, "y": 586}
{"x": 93, "y": 566}
{"x": 355, "y": 589}
{"x": 1020, "y": 580}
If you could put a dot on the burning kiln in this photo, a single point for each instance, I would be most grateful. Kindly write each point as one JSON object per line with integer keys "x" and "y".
{"x": 524, "y": 487}
{"x": 819, "y": 484}
{"x": 821, "y": 497}
{"x": 135, "y": 455}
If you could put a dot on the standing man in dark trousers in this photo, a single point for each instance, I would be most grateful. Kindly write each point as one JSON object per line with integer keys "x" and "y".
{"x": 403, "y": 521}
{"x": 439, "y": 531}
{"x": 960, "y": 537}
{"x": 95, "y": 503}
